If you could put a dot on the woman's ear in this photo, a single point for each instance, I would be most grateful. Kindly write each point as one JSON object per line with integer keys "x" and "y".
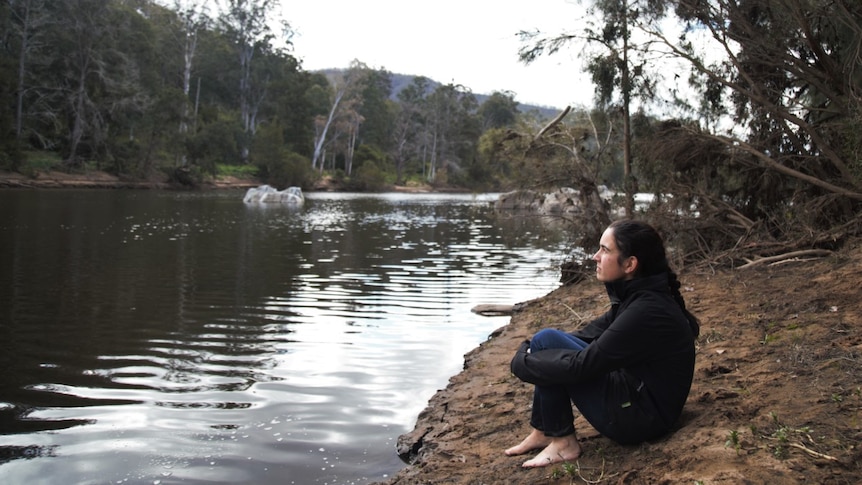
{"x": 630, "y": 266}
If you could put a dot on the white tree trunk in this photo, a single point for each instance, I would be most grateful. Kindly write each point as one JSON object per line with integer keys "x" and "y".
{"x": 318, "y": 143}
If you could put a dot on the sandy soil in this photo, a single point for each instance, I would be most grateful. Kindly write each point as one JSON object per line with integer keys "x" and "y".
{"x": 776, "y": 397}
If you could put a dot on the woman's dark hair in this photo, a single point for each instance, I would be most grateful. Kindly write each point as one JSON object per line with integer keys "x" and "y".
{"x": 641, "y": 240}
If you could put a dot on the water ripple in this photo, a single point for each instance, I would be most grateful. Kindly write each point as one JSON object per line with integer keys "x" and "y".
{"x": 167, "y": 337}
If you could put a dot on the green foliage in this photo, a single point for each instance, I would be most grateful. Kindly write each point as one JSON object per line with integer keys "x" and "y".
{"x": 292, "y": 169}
{"x": 215, "y": 143}
{"x": 238, "y": 171}
{"x": 32, "y": 162}
{"x": 11, "y": 156}
{"x": 368, "y": 177}
{"x": 376, "y": 109}
{"x": 10, "y": 147}
{"x": 278, "y": 166}
{"x": 368, "y": 153}
{"x": 190, "y": 176}
{"x": 500, "y": 110}
{"x": 733, "y": 441}
{"x": 104, "y": 84}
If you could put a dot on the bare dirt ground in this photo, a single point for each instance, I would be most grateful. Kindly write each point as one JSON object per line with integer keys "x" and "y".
{"x": 776, "y": 397}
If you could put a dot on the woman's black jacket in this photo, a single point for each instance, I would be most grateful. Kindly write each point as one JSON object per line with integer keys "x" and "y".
{"x": 643, "y": 346}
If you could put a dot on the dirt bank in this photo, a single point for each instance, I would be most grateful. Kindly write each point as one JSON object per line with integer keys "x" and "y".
{"x": 776, "y": 398}
{"x": 103, "y": 180}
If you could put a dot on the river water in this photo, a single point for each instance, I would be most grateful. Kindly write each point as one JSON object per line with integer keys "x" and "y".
{"x": 170, "y": 337}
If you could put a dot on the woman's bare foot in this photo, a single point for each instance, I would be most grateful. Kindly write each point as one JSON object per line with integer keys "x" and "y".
{"x": 534, "y": 441}
{"x": 561, "y": 449}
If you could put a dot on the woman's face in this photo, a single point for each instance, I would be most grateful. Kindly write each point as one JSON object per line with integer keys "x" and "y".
{"x": 607, "y": 258}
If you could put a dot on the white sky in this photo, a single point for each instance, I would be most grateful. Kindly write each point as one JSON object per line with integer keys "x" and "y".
{"x": 473, "y": 43}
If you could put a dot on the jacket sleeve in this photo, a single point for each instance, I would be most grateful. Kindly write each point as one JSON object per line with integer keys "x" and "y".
{"x": 558, "y": 366}
{"x": 617, "y": 346}
{"x": 529, "y": 367}
{"x": 595, "y": 328}
{"x": 538, "y": 368}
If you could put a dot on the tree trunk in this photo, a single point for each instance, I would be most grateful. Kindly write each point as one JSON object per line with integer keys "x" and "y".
{"x": 318, "y": 144}
{"x": 78, "y": 108}
{"x": 628, "y": 179}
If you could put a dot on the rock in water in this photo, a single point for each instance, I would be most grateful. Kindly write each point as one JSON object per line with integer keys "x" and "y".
{"x": 266, "y": 194}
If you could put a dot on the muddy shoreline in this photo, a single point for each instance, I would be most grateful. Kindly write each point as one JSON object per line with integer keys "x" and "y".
{"x": 777, "y": 395}
{"x": 103, "y": 180}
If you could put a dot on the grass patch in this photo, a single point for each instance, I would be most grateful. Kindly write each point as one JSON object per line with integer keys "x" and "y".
{"x": 238, "y": 171}
{"x": 40, "y": 161}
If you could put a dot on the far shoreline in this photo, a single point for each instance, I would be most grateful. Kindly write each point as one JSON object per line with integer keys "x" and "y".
{"x": 104, "y": 180}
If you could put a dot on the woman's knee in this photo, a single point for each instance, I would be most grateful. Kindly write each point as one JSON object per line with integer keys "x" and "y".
{"x": 549, "y": 338}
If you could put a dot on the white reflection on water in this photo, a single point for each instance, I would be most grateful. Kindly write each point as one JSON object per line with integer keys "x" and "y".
{"x": 204, "y": 341}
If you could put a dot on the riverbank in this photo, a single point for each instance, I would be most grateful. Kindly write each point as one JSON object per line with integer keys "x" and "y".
{"x": 777, "y": 395}
{"x": 103, "y": 180}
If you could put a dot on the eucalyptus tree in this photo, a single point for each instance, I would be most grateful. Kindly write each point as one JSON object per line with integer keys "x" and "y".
{"x": 218, "y": 74}
{"x": 9, "y": 143}
{"x": 142, "y": 127}
{"x": 369, "y": 109}
{"x": 377, "y": 109}
{"x": 97, "y": 79}
{"x": 342, "y": 83}
{"x": 339, "y": 128}
{"x": 193, "y": 18}
{"x": 283, "y": 97}
{"x": 28, "y": 21}
{"x": 453, "y": 130}
{"x": 409, "y": 124}
{"x": 619, "y": 67}
{"x": 248, "y": 23}
{"x": 571, "y": 150}
{"x": 499, "y": 110}
{"x": 787, "y": 77}
{"x": 366, "y": 117}
{"x": 29, "y": 40}
{"x": 295, "y": 97}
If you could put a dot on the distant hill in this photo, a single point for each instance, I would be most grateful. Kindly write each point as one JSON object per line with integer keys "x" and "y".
{"x": 401, "y": 81}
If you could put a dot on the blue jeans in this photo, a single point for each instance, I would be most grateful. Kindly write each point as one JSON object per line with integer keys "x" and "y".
{"x": 552, "y": 405}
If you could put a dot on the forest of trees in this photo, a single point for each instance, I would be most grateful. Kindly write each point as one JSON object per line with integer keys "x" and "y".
{"x": 745, "y": 113}
{"x": 134, "y": 87}
{"x": 744, "y": 116}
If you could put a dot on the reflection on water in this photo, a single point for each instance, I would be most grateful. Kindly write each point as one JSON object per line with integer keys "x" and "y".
{"x": 162, "y": 337}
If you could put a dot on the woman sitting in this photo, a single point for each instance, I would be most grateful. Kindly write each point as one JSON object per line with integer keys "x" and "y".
{"x": 629, "y": 371}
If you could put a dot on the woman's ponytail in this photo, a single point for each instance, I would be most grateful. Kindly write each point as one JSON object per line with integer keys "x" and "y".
{"x": 674, "y": 284}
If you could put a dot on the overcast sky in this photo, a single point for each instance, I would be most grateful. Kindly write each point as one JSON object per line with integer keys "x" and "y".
{"x": 469, "y": 42}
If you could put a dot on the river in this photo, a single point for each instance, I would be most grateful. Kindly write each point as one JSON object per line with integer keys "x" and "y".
{"x": 184, "y": 337}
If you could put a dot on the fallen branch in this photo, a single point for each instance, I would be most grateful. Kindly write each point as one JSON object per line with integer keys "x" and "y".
{"x": 495, "y": 310}
{"x": 812, "y": 452}
{"x": 598, "y": 480}
{"x": 785, "y": 256}
{"x": 552, "y": 123}
{"x": 490, "y": 310}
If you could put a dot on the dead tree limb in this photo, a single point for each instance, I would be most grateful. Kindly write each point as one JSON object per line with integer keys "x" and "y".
{"x": 553, "y": 122}
{"x": 785, "y": 256}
